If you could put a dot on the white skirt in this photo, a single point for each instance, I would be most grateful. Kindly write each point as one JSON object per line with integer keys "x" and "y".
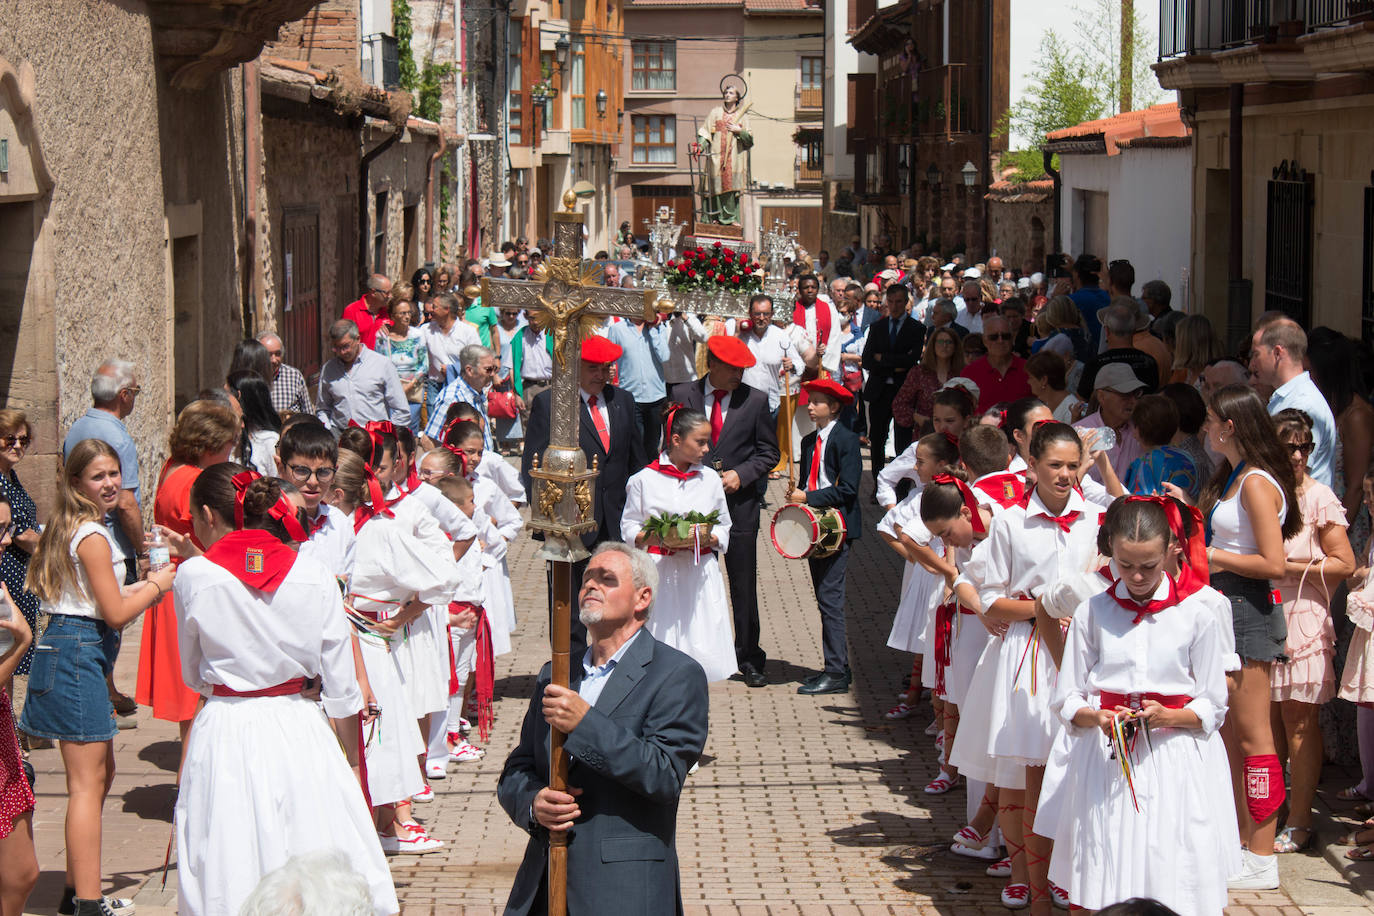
{"x": 1180, "y": 846}
{"x": 915, "y": 610}
{"x": 265, "y": 780}
{"x": 692, "y": 614}
{"x": 970, "y": 638}
{"x": 393, "y": 771}
{"x": 416, "y": 652}
{"x": 499, "y": 605}
{"x": 1022, "y": 724}
{"x": 970, "y": 754}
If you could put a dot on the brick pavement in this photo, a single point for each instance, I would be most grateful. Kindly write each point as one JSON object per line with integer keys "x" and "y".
{"x": 802, "y": 805}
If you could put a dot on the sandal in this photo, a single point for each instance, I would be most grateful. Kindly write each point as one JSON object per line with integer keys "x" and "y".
{"x": 941, "y": 784}
{"x": 1284, "y": 842}
{"x": 1351, "y": 793}
{"x": 1360, "y": 837}
{"x": 1360, "y": 854}
{"x": 971, "y": 838}
{"x": 900, "y": 711}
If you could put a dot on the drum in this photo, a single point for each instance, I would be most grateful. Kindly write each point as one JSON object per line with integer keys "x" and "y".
{"x": 800, "y": 531}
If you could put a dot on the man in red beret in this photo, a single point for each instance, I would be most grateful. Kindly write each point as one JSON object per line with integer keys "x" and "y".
{"x": 830, "y": 470}
{"x": 607, "y": 434}
{"x": 744, "y": 447}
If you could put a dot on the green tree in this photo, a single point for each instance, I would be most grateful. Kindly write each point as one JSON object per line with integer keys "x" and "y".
{"x": 1101, "y": 46}
{"x": 1063, "y": 92}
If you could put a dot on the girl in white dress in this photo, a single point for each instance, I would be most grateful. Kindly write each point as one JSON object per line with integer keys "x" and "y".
{"x": 691, "y": 613}
{"x": 492, "y": 466}
{"x": 264, "y": 778}
{"x": 1149, "y": 651}
{"x": 1050, "y": 535}
{"x": 396, "y": 577}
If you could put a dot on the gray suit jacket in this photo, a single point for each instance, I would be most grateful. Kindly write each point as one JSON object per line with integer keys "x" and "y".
{"x": 630, "y": 756}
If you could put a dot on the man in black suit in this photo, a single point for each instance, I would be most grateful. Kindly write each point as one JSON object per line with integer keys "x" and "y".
{"x": 830, "y": 470}
{"x": 608, "y": 435}
{"x": 744, "y": 447}
{"x": 893, "y": 347}
{"x": 635, "y": 716}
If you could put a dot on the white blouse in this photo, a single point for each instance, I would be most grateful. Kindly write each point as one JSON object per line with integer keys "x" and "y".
{"x": 1177, "y": 651}
{"x": 332, "y": 543}
{"x": 500, "y": 472}
{"x": 249, "y": 640}
{"x": 1025, "y": 551}
{"x": 392, "y": 566}
{"x": 76, "y": 599}
{"x": 650, "y": 492}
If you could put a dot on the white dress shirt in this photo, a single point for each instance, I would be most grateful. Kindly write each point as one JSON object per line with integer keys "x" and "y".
{"x": 594, "y": 677}
{"x": 709, "y": 403}
{"x": 444, "y": 346}
{"x": 600, "y": 408}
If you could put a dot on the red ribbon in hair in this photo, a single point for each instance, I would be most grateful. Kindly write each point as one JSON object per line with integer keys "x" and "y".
{"x": 969, "y": 502}
{"x": 375, "y": 429}
{"x": 668, "y": 424}
{"x": 1193, "y": 572}
{"x": 282, "y": 510}
{"x": 462, "y": 457}
{"x": 951, "y": 438}
{"x": 376, "y": 505}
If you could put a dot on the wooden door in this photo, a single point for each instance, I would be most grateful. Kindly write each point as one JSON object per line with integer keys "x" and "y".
{"x": 301, "y": 329}
{"x": 805, "y": 221}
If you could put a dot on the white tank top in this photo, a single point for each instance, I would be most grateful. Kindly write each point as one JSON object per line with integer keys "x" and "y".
{"x": 1231, "y": 527}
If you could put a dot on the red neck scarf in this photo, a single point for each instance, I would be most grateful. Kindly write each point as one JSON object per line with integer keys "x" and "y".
{"x": 254, "y": 557}
{"x": 1005, "y": 489}
{"x": 376, "y": 505}
{"x": 668, "y": 469}
{"x": 822, "y": 319}
{"x": 1065, "y": 521}
{"x": 1153, "y": 606}
{"x": 969, "y": 502}
{"x": 320, "y": 520}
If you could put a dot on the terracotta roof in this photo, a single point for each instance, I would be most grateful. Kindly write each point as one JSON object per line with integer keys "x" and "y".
{"x": 1145, "y": 127}
{"x": 781, "y": 6}
{"x": 1026, "y": 192}
{"x": 668, "y": 4}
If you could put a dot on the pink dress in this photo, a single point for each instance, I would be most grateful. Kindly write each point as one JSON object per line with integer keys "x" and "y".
{"x": 1308, "y": 676}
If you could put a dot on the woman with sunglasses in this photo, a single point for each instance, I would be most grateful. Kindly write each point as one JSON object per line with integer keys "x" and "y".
{"x": 1318, "y": 558}
{"x": 15, "y": 436}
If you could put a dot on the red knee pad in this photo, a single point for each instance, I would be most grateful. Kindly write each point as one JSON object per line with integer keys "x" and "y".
{"x": 1264, "y": 790}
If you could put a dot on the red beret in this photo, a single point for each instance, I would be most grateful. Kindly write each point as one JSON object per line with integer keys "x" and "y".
{"x": 830, "y": 387}
{"x": 731, "y": 350}
{"x": 597, "y": 349}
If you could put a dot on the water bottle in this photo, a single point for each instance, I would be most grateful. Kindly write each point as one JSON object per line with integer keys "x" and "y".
{"x": 1106, "y": 438}
{"x": 159, "y": 553}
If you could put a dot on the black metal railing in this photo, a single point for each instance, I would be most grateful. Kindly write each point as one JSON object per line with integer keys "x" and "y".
{"x": 1200, "y": 26}
{"x": 381, "y": 64}
{"x": 1288, "y": 243}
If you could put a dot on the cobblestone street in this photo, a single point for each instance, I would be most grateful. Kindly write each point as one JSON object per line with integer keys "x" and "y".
{"x": 802, "y": 805}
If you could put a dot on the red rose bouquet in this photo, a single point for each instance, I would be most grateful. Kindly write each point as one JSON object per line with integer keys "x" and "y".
{"x": 714, "y": 268}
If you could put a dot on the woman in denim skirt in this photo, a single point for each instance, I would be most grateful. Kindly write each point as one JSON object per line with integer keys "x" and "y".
{"x": 73, "y": 573}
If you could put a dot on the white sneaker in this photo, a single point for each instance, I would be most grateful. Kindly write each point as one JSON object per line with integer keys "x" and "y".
{"x": 464, "y": 752}
{"x": 1258, "y": 873}
{"x": 436, "y": 770}
{"x": 987, "y": 853}
{"x": 416, "y": 845}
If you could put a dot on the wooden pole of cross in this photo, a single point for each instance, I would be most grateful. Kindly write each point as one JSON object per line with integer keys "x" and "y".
{"x": 565, "y": 301}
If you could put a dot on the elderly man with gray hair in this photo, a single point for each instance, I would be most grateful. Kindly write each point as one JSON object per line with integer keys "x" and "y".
{"x": 114, "y": 390}
{"x": 477, "y": 368}
{"x": 289, "y": 390}
{"x": 635, "y": 715}
{"x": 358, "y": 384}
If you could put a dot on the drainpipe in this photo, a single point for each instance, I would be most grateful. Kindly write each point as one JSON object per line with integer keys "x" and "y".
{"x": 1048, "y": 165}
{"x": 252, "y": 168}
{"x": 364, "y": 196}
{"x": 430, "y": 215}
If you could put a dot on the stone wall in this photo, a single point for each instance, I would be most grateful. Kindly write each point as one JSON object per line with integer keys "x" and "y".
{"x": 327, "y": 36}
{"x": 1020, "y": 231}
{"x": 402, "y": 171}
{"x": 97, "y": 280}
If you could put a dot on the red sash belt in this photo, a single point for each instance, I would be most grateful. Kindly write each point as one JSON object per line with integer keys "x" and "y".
{"x": 944, "y": 638}
{"x": 1137, "y": 700}
{"x": 284, "y": 689}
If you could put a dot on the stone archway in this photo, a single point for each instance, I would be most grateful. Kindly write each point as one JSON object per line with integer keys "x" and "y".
{"x": 28, "y": 348}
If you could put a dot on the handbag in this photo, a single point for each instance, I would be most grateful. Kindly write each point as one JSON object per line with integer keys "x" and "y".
{"x": 853, "y": 379}
{"x": 502, "y": 405}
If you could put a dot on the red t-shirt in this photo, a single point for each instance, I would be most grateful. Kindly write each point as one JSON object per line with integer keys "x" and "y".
{"x": 993, "y": 386}
{"x": 368, "y": 323}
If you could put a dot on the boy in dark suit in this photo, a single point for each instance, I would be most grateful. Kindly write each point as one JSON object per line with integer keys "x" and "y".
{"x": 830, "y": 471}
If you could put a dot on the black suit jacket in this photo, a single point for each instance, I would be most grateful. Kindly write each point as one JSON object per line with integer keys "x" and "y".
{"x": 748, "y": 445}
{"x": 630, "y": 756}
{"x": 626, "y": 456}
{"x": 885, "y": 375}
{"x": 843, "y": 464}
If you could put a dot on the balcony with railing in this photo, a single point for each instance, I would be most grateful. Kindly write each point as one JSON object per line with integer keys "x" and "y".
{"x": 942, "y": 107}
{"x": 810, "y": 98}
{"x": 1206, "y": 43}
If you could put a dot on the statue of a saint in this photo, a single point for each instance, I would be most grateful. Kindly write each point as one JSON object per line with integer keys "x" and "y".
{"x": 725, "y": 137}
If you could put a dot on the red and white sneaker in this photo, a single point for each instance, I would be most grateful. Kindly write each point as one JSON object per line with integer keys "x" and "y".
{"x": 1058, "y": 896}
{"x": 464, "y": 752}
{"x": 900, "y": 711}
{"x": 985, "y": 854}
{"x": 999, "y": 869}
{"x": 415, "y": 845}
{"x": 941, "y": 784}
{"x": 971, "y": 838}
{"x": 936, "y": 727}
{"x": 424, "y": 795}
{"x": 1016, "y": 896}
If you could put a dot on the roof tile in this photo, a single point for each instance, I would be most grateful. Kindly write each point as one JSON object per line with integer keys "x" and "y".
{"x": 1120, "y": 131}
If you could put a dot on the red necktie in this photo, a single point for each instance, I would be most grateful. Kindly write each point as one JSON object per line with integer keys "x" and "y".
{"x": 717, "y": 416}
{"x": 1063, "y": 521}
{"x": 599, "y": 422}
{"x": 817, "y": 456}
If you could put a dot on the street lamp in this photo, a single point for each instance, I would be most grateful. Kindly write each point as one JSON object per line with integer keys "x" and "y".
{"x": 933, "y": 177}
{"x": 601, "y": 99}
{"x": 970, "y": 173}
{"x": 560, "y": 49}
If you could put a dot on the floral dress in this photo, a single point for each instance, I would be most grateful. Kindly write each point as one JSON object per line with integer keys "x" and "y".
{"x": 14, "y": 562}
